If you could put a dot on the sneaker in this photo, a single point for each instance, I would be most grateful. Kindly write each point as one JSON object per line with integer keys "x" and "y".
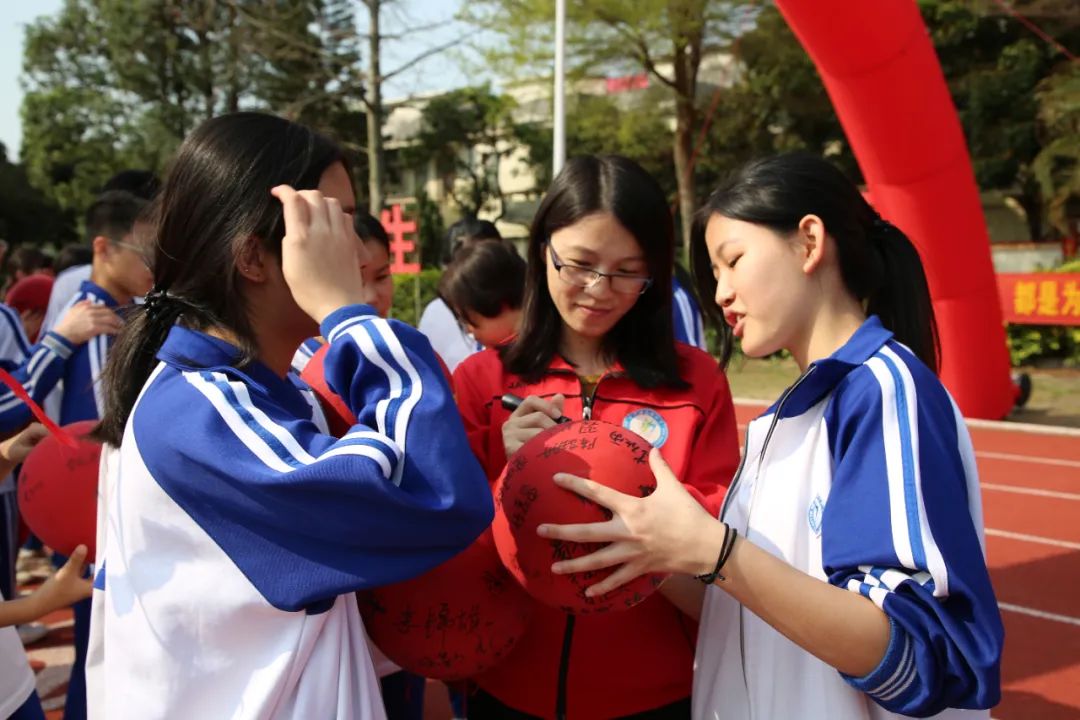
{"x": 32, "y": 632}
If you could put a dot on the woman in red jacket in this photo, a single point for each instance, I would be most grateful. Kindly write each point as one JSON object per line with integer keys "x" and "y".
{"x": 596, "y": 341}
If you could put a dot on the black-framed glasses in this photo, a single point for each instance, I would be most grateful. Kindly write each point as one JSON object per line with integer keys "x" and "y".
{"x": 587, "y": 277}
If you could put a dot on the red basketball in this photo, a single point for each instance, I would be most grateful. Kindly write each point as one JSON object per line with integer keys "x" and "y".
{"x": 526, "y": 496}
{"x": 338, "y": 416}
{"x": 58, "y": 490}
{"x": 453, "y": 622}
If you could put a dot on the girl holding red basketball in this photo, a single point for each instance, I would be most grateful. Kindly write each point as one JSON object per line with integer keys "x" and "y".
{"x": 845, "y": 576}
{"x": 596, "y": 341}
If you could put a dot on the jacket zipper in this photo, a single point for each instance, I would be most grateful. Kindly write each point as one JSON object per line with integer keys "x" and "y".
{"x": 753, "y": 495}
{"x": 587, "y": 401}
{"x": 761, "y": 455}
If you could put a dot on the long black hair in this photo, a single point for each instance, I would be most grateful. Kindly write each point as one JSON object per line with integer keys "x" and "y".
{"x": 643, "y": 340}
{"x": 216, "y": 197}
{"x": 878, "y": 263}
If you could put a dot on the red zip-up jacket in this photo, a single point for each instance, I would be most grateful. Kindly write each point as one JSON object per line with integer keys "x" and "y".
{"x": 625, "y": 662}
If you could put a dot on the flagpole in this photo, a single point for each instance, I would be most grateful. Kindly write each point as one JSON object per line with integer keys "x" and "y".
{"x": 559, "y": 96}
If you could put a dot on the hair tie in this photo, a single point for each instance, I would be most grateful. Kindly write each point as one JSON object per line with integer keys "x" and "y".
{"x": 158, "y": 302}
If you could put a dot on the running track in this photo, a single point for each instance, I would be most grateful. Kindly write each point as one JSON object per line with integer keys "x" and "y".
{"x": 1031, "y": 500}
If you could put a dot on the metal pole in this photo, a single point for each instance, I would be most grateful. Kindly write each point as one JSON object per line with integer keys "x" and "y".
{"x": 559, "y": 95}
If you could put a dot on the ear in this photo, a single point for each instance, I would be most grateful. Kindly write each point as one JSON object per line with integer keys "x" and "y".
{"x": 254, "y": 260}
{"x": 100, "y": 245}
{"x": 811, "y": 238}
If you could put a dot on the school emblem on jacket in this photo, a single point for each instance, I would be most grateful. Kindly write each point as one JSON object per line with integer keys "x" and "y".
{"x": 813, "y": 515}
{"x": 649, "y": 425}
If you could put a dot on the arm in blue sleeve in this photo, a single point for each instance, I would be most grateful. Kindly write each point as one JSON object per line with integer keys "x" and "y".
{"x": 897, "y": 529}
{"x": 686, "y": 318}
{"x": 38, "y": 374}
{"x": 307, "y": 516}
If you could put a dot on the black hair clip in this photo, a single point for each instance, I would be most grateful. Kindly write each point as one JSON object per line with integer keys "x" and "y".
{"x": 154, "y": 302}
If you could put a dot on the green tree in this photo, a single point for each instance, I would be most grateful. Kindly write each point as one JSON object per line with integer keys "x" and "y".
{"x": 26, "y": 216}
{"x": 1057, "y": 166}
{"x": 665, "y": 38}
{"x": 993, "y": 65}
{"x": 597, "y": 124}
{"x": 777, "y": 104}
{"x": 119, "y": 83}
{"x": 467, "y": 135}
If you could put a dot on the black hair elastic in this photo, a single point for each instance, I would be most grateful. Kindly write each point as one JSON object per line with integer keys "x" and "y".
{"x": 163, "y": 306}
{"x": 730, "y": 535}
{"x": 154, "y": 302}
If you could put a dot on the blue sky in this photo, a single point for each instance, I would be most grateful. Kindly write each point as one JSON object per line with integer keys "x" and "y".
{"x": 439, "y": 73}
{"x": 15, "y": 17}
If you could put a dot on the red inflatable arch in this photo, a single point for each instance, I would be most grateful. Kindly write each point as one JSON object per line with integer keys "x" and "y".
{"x": 883, "y": 77}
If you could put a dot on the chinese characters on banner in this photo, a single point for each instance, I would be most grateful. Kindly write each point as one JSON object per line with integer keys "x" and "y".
{"x": 1040, "y": 298}
{"x": 397, "y": 227}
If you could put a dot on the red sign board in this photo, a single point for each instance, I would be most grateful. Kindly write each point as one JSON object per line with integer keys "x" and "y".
{"x": 627, "y": 82}
{"x": 1040, "y": 298}
{"x": 397, "y": 227}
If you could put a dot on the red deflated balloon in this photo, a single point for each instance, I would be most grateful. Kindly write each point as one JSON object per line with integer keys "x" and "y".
{"x": 58, "y": 490}
{"x": 453, "y": 622}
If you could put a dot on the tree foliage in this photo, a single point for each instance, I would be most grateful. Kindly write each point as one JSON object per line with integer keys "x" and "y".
{"x": 119, "y": 83}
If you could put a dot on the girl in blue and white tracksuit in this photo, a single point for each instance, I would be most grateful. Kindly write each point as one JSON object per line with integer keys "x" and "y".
{"x": 235, "y": 531}
{"x": 845, "y": 576}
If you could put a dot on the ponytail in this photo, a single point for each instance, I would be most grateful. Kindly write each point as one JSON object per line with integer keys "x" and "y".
{"x": 902, "y": 298}
{"x": 133, "y": 356}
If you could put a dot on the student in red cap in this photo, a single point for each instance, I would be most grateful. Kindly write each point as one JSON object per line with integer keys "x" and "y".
{"x": 30, "y": 298}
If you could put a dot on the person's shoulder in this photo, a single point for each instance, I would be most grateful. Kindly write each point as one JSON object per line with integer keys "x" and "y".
{"x": 695, "y": 363}
{"x": 891, "y": 375}
{"x": 478, "y": 365}
{"x": 10, "y": 315}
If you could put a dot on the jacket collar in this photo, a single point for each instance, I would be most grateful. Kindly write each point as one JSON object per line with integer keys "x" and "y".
{"x": 190, "y": 350}
{"x": 822, "y": 377}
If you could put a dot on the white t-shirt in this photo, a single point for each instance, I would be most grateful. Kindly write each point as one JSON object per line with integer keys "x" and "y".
{"x": 444, "y": 333}
{"x": 16, "y": 678}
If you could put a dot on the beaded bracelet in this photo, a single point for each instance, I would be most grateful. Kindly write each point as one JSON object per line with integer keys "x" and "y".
{"x": 730, "y": 534}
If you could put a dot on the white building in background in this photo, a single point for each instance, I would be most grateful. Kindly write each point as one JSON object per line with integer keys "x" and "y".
{"x": 1012, "y": 248}
{"x": 521, "y": 193}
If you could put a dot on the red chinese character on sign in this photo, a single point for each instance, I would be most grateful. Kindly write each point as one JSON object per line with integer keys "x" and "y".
{"x": 1048, "y": 298}
{"x": 1025, "y": 298}
{"x": 396, "y": 227}
{"x": 1072, "y": 300}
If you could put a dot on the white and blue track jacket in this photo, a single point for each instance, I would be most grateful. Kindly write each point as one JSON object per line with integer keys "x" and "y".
{"x": 237, "y": 530}
{"x": 304, "y": 353}
{"x": 862, "y": 475}
{"x": 37, "y": 368}
{"x": 78, "y": 397}
{"x": 686, "y": 316}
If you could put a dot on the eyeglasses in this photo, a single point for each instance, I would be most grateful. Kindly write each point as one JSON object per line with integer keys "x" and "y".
{"x": 587, "y": 277}
{"x": 142, "y": 252}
